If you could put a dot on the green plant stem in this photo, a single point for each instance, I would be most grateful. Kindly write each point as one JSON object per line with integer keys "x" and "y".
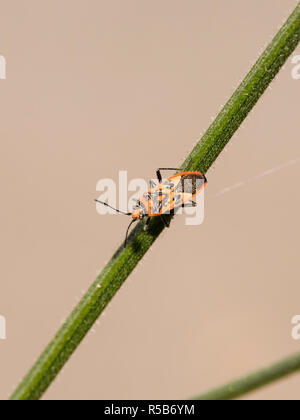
{"x": 254, "y": 381}
{"x": 125, "y": 260}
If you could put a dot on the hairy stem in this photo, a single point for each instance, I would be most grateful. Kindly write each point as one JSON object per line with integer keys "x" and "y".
{"x": 254, "y": 381}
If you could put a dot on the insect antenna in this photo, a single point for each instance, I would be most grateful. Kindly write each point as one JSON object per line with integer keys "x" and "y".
{"x": 119, "y": 211}
{"x": 127, "y": 231}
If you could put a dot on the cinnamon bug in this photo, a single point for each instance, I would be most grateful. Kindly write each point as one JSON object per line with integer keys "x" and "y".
{"x": 165, "y": 197}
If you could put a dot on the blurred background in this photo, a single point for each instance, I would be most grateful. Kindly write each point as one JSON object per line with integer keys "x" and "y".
{"x": 94, "y": 87}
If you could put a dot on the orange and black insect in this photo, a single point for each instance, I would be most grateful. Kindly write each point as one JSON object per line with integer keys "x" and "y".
{"x": 165, "y": 197}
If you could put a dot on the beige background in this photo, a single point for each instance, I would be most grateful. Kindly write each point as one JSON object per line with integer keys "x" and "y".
{"x": 96, "y": 86}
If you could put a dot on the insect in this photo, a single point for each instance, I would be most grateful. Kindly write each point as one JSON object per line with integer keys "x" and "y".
{"x": 165, "y": 197}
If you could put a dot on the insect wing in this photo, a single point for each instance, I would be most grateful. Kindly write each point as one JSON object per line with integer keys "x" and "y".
{"x": 187, "y": 186}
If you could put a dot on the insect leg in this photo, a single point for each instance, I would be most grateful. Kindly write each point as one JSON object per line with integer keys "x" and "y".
{"x": 127, "y": 231}
{"x": 165, "y": 220}
{"x": 158, "y": 172}
{"x": 147, "y": 223}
